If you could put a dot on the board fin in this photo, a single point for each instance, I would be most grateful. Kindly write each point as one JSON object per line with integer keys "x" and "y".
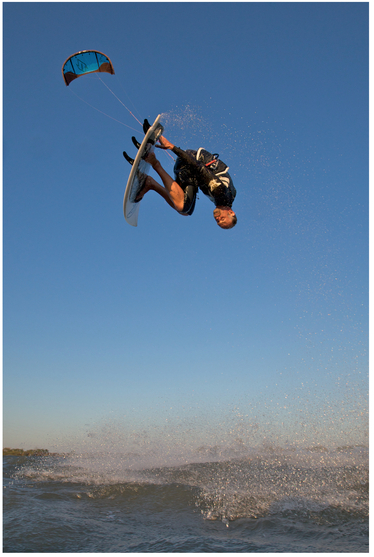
{"x": 129, "y": 159}
{"x": 146, "y": 125}
{"x": 135, "y": 142}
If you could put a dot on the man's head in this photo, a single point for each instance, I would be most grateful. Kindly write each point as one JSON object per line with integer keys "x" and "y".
{"x": 225, "y": 217}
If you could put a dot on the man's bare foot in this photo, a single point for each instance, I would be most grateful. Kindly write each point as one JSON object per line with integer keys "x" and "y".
{"x": 151, "y": 159}
{"x": 145, "y": 189}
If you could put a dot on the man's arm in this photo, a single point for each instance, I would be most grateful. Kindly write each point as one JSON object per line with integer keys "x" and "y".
{"x": 206, "y": 175}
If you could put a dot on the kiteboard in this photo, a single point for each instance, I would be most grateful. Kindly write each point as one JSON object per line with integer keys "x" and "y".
{"x": 139, "y": 171}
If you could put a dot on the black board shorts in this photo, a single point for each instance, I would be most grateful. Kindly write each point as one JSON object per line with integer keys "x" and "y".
{"x": 186, "y": 179}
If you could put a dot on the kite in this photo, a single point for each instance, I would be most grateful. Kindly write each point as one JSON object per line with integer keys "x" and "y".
{"x": 84, "y": 62}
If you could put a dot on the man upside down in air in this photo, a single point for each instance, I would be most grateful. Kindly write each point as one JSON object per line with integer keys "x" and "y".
{"x": 193, "y": 170}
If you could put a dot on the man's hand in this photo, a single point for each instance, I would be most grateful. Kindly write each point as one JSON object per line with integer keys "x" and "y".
{"x": 165, "y": 143}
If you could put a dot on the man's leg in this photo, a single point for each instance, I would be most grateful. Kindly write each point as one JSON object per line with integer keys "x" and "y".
{"x": 173, "y": 189}
{"x": 151, "y": 185}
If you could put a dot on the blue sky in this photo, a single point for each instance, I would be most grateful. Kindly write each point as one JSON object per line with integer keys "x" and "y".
{"x": 177, "y": 322}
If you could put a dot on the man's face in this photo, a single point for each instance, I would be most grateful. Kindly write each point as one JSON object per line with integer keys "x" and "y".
{"x": 223, "y": 217}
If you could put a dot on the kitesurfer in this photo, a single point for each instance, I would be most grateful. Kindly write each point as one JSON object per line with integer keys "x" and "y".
{"x": 191, "y": 173}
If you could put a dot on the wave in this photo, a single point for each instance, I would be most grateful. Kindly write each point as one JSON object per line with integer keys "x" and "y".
{"x": 326, "y": 487}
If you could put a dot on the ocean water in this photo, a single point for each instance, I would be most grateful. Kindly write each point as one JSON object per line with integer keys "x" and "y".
{"x": 265, "y": 500}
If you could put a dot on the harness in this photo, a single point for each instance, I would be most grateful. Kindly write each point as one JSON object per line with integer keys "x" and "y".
{"x": 212, "y": 161}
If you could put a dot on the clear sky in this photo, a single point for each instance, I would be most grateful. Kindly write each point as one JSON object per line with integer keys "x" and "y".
{"x": 177, "y": 327}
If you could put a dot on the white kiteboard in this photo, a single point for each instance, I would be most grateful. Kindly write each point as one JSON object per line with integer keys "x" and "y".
{"x": 139, "y": 172}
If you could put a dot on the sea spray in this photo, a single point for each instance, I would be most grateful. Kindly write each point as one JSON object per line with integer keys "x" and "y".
{"x": 124, "y": 478}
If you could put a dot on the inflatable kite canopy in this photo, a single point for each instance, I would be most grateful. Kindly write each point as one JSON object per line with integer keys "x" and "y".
{"x": 86, "y": 61}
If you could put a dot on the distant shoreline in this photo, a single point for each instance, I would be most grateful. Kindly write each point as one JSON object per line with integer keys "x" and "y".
{"x": 29, "y": 452}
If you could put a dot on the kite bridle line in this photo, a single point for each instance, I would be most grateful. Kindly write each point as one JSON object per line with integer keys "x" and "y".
{"x": 119, "y": 100}
{"x": 133, "y": 115}
{"x": 111, "y": 117}
{"x": 101, "y": 112}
